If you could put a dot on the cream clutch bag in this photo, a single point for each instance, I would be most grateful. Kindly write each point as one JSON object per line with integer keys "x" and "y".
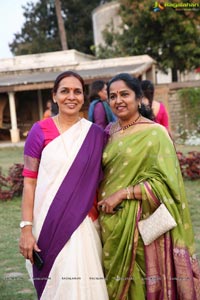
{"x": 155, "y": 225}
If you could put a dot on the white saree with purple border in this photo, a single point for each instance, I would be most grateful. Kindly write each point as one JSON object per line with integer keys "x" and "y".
{"x": 68, "y": 177}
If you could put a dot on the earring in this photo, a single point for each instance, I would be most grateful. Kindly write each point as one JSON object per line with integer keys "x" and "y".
{"x": 139, "y": 105}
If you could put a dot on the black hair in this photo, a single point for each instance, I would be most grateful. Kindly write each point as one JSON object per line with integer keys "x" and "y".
{"x": 135, "y": 85}
{"x": 67, "y": 74}
{"x": 54, "y": 109}
{"x": 132, "y": 82}
{"x": 148, "y": 90}
{"x": 146, "y": 111}
{"x": 95, "y": 88}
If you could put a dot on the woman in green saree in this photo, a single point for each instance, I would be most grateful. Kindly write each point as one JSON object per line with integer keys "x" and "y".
{"x": 141, "y": 169}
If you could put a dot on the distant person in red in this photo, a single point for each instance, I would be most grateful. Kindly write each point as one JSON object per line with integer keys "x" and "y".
{"x": 159, "y": 110}
{"x": 47, "y": 112}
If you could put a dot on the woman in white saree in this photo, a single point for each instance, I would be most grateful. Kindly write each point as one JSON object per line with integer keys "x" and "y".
{"x": 62, "y": 170}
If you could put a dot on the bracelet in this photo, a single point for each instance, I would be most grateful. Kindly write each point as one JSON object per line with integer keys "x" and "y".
{"x": 134, "y": 194}
{"x": 25, "y": 223}
{"x": 128, "y": 194}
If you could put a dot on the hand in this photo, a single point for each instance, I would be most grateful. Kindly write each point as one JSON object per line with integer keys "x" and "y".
{"x": 109, "y": 204}
{"x": 27, "y": 243}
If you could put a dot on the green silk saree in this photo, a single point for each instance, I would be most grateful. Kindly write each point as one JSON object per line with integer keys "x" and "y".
{"x": 166, "y": 269}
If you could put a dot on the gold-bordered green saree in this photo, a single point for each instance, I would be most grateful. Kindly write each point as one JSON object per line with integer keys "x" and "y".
{"x": 167, "y": 269}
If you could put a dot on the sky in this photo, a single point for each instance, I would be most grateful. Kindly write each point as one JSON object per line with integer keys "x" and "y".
{"x": 11, "y": 22}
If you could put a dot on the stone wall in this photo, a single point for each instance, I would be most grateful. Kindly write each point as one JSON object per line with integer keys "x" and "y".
{"x": 168, "y": 94}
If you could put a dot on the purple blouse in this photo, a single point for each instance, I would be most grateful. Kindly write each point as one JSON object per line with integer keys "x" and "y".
{"x": 39, "y": 136}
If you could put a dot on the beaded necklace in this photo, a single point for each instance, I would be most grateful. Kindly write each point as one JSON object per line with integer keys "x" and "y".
{"x": 129, "y": 125}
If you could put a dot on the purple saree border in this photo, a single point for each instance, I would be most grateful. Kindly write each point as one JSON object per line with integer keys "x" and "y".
{"x": 155, "y": 199}
{"x": 65, "y": 211}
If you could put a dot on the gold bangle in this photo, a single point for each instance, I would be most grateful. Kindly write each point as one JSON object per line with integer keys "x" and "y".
{"x": 128, "y": 194}
{"x": 134, "y": 193}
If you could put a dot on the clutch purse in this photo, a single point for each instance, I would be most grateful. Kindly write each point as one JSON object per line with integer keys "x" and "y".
{"x": 156, "y": 224}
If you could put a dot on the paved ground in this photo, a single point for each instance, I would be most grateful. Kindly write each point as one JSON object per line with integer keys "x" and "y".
{"x": 9, "y": 144}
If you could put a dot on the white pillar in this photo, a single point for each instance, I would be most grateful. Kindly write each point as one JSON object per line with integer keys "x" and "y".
{"x": 14, "y": 131}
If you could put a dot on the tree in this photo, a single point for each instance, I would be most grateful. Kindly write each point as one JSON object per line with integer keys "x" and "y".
{"x": 61, "y": 26}
{"x": 170, "y": 36}
{"x": 78, "y": 23}
{"x": 40, "y": 31}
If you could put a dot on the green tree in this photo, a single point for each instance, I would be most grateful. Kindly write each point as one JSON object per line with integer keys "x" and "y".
{"x": 40, "y": 31}
{"x": 78, "y": 23}
{"x": 170, "y": 36}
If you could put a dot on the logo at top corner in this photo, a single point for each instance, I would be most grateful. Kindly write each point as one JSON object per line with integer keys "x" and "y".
{"x": 158, "y": 6}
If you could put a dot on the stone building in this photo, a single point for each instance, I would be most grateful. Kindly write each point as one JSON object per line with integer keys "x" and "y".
{"x": 103, "y": 17}
{"x": 106, "y": 17}
{"x": 26, "y": 82}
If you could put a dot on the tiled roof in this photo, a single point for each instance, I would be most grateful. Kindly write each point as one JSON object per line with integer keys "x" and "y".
{"x": 89, "y": 70}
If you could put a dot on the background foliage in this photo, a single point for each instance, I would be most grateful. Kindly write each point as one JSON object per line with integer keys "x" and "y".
{"x": 190, "y": 102}
{"x": 12, "y": 184}
{"x": 40, "y": 34}
{"x": 11, "y": 181}
{"x": 169, "y": 36}
{"x": 189, "y": 126}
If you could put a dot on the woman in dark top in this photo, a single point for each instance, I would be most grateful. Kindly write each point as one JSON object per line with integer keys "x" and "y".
{"x": 99, "y": 109}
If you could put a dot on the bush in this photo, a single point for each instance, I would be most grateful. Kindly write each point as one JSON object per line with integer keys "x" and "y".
{"x": 11, "y": 185}
{"x": 190, "y": 164}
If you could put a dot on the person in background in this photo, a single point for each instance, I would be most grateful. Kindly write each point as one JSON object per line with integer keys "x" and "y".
{"x": 159, "y": 110}
{"x": 47, "y": 112}
{"x": 54, "y": 109}
{"x": 141, "y": 170}
{"x": 58, "y": 213}
{"x": 99, "y": 110}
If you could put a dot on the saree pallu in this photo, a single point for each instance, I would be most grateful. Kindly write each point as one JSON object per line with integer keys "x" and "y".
{"x": 167, "y": 269}
{"x": 69, "y": 174}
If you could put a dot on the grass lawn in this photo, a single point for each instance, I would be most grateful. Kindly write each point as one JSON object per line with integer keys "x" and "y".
{"x": 9, "y": 156}
{"x": 14, "y": 280}
{"x": 193, "y": 196}
{"x": 185, "y": 148}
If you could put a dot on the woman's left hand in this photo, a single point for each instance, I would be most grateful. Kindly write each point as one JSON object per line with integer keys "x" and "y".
{"x": 108, "y": 205}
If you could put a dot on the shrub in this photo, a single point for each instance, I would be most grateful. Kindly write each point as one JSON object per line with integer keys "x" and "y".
{"x": 12, "y": 184}
{"x": 190, "y": 164}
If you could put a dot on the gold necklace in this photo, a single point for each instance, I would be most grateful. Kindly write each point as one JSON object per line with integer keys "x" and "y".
{"x": 129, "y": 125}
{"x": 59, "y": 125}
{"x": 61, "y": 134}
